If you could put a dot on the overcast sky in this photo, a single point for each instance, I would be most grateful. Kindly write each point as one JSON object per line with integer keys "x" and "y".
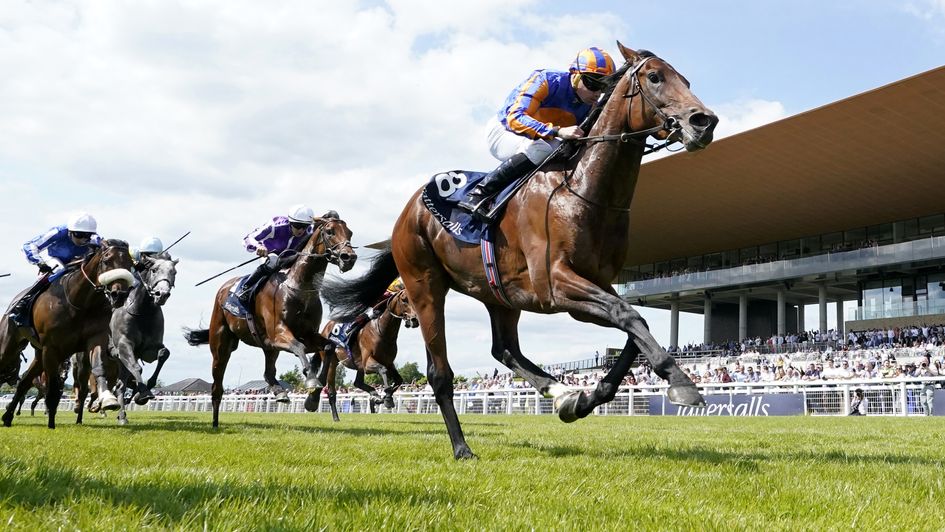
{"x": 163, "y": 117}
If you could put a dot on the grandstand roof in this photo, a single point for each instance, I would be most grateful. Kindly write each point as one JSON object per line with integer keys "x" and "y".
{"x": 188, "y": 385}
{"x": 873, "y": 158}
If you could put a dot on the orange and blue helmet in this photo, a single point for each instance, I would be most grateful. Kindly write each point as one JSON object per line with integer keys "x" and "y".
{"x": 593, "y": 61}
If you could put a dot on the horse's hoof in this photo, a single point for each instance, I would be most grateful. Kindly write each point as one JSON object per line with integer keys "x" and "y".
{"x": 109, "y": 401}
{"x": 77, "y": 409}
{"x": 122, "y": 421}
{"x": 313, "y": 385}
{"x": 389, "y": 403}
{"x": 311, "y": 402}
{"x": 566, "y": 405}
{"x": 685, "y": 395}
{"x": 142, "y": 398}
{"x": 464, "y": 453}
{"x": 282, "y": 397}
{"x": 7, "y": 419}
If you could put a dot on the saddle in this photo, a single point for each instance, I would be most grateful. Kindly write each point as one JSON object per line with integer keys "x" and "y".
{"x": 445, "y": 190}
{"x": 342, "y": 334}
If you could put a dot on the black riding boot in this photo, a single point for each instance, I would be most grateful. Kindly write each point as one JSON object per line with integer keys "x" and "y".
{"x": 249, "y": 287}
{"x": 512, "y": 168}
{"x": 17, "y": 313}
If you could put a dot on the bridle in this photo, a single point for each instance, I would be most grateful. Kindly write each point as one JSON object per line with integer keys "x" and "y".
{"x": 390, "y": 306}
{"x": 669, "y": 123}
{"x": 95, "y": 286}
{"x": 332, "y": 251}
{"x": 153, "y": 286}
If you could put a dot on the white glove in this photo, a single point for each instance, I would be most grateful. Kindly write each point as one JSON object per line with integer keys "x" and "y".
{"x": 271, "y": 261}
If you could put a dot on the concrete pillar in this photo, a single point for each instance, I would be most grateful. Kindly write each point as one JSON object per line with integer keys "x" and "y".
{"x": 781, "y": 313}
{"x": 840, "y": 317}
{"x": 822, "y": 303}
{"x": 674, "y": 323}
{"x": 707, "y": 326}
{"x": 800, "y": 318}
{"x": 742, "y": 317}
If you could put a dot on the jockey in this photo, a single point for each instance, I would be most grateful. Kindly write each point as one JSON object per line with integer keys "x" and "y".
{"x": 542, "y": 110}
{"x": 284, "y": 233}
{"x": 52, "y": 251}
{"x": 149, "y": 247}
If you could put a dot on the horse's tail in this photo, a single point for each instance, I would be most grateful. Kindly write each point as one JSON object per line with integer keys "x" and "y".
{"x": 196, "y": 336}
{"x": 349, "y": 299}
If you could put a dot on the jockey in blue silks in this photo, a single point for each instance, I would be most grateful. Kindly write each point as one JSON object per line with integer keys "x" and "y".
{"x": 52, "y": 251}
{"x": 283, "y": 233}
{"x": 541, "y": 111}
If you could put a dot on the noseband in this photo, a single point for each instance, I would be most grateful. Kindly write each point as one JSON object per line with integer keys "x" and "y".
{"x": 332, "y": 252}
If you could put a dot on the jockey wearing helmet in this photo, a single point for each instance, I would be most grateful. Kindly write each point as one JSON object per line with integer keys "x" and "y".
{"x": 541, "y": 111}
{"x": 149, "y": 247}
{"x": 283, "y": 233}
{"x": 52, "y": 251}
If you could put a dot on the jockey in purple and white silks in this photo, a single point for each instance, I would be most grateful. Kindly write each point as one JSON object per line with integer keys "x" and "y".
{"x": 272, "y": 240}
{"x": 52, "y": 251}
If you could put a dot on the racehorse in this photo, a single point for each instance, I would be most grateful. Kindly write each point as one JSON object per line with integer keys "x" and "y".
{"x": 137, "y": 333}
{"x": 561, "y": 243}
{"x": 287, "y": 312}
{"x": 71, "y": 316}
{"x": 373, "y": 351}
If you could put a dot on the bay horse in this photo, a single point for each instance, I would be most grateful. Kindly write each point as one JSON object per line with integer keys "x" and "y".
{"x": 373, "y": 351}
{"x": 70, "y": 316}
{"x": 137, "y": 333}
{"x": 561, "y": 243}
{"x": 287, "y": 312}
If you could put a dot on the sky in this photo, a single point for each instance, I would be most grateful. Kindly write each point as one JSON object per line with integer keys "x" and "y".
{"x": 162, "y": 117}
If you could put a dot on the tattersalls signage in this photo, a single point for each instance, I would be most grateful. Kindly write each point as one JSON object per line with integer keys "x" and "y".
{"x": 781, "y": 404}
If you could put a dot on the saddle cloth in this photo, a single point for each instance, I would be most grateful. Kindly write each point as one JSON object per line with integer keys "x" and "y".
{"x": 342, "y": 334}
{"x": 445, "y": 190}
{"x": 232, "y": 304}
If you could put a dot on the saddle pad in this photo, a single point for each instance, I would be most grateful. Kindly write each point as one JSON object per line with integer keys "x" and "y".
{"x": 232, "y": 304}
{"x": 441, "y": 196}
{"x": 342, "y": 334}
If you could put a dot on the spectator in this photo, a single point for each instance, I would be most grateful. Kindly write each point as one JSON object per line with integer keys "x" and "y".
{"x": 859, "y": 403}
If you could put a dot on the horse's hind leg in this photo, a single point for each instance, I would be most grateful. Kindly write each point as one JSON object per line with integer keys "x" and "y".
{"x": 106, "y": 398}
{"x": 81, "y": 371}
{"x": 120, "y": 394}
{"x": 361, "y": 385}
{"x": 26, "y": 382}
{"x": 427, "y": 288}
{"x": 505, "y": 349}
{"x": 395, "y": 381}
{"x": 222, "y": 344}
{"x": 52, "y": 360}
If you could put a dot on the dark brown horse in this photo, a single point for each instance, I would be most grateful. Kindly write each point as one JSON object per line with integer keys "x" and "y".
{"x": 41, "y": 388}
{"x": 373, "y": 351}
{"x": 561, "y": 243}
{"x": 72, "y": 315}
{"x": 287, "y": 313}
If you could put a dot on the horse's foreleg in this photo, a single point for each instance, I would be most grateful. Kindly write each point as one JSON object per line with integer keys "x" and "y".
{"x": 361, "y": 385}
{"x": 163, "y": 355}
{"x": 81, "y": 371}
{"x": 124, "y": 350}
{"x": 23, "y": 386}
{"x": 120, "y": 394}
{"x": 282, "y": 395}
{"x": 395, "y": 381}
{"x": 106, "y": 398}
{"x": 588, "y": 302}
{"x": 505, "y": 349}
{"x": 52, "y": 360}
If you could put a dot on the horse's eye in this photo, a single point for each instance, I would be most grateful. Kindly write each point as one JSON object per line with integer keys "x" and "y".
{"x": 653, "y": 77}
{"x": 330, "y": 232}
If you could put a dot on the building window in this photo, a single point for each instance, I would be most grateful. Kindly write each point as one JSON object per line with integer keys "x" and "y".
{"x": 932, "y": 225}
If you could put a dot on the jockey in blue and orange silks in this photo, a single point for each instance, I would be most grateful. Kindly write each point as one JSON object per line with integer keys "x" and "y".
{"x": 52, "y": 251}
{"x": 541, "y": 111}
{"x": 272, "y": 240}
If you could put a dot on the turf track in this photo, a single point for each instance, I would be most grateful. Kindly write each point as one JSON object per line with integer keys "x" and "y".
{"x": 396, "y": 472}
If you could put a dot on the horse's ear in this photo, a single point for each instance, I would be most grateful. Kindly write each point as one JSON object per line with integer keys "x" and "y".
{"x": 175, "y": 261}
{"x": 331, "y": 214}
{"x": 630, "y": 55}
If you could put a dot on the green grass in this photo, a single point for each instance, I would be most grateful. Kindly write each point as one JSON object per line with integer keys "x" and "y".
{"x": 295, "y": 471}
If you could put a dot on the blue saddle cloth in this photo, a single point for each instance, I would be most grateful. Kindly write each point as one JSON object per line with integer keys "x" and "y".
{"x": 342, "y": 334}
{"x": 442, "y": 194}
{"x": 232, "y": 304}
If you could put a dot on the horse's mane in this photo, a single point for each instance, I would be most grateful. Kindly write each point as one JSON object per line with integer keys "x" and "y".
{"x": 348, "y": 299}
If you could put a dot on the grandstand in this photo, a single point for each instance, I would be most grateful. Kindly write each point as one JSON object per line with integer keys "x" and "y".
{"x": 832, "y": 205}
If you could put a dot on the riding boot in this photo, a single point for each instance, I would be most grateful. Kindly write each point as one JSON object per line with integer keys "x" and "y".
{"x": 249, "y": 287}
{"x": 17, "y": 313}
{"x": 512, "y": 168}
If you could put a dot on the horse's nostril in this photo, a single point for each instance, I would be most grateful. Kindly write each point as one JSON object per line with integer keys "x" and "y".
{"x": 699, "y": 120}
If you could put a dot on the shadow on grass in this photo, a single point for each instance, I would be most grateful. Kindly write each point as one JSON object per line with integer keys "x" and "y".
{"x": 749, "y": 460}
{"x": 40, "y": 487}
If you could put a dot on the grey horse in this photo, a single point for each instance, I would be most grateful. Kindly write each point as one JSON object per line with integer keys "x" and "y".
{"x": 137, "y": 333}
